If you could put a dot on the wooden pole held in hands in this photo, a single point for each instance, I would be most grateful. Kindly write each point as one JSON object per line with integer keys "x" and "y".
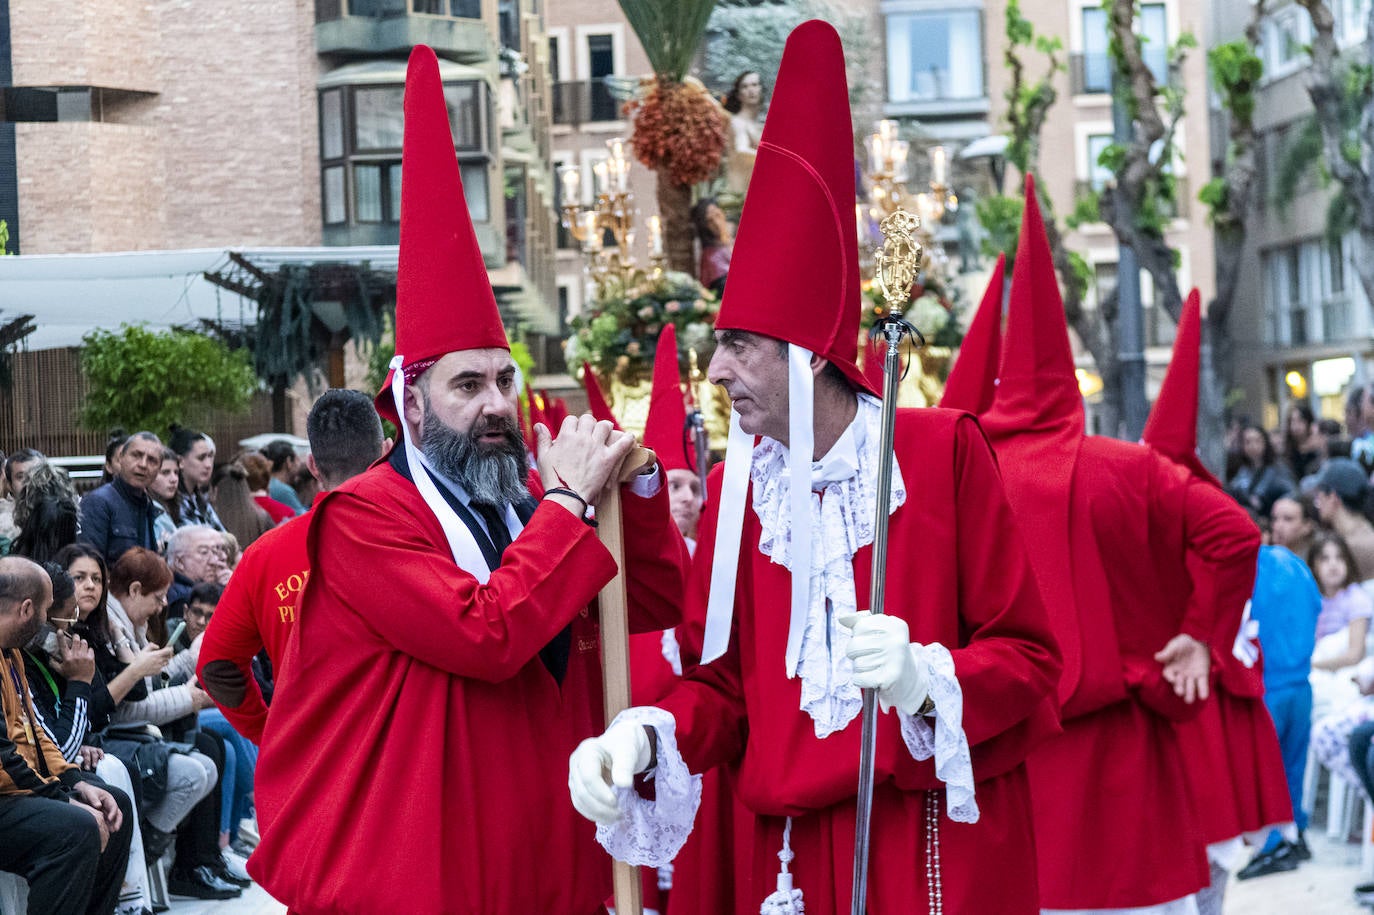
{"x": 615, "y": 646}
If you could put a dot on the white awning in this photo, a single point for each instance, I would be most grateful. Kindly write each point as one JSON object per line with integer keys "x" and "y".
{"x": 994, "y": 145}
{"x": 383, "y": 72}
{"x": 70, "y": 295}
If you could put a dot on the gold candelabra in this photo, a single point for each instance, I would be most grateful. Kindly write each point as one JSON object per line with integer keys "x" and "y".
{"x": 610, "y": 266}
{"x": 888, "y": 193}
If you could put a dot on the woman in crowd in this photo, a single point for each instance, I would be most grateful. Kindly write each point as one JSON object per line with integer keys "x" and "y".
{"x": 259, "y": 471}
{"x": 138, "y": 592}
{"x": 72, "y": 701}
{"x": 196, "y": 452}
{"x": 713, "y": 231}
{"x": 1299, "y": 451}
{"x": 164, "y": 490}
{"x": 45, "y": 512}
{"x": 1261, "y": 478}
{"x": 1293, "y": 523}
{"x": 241, "y": 516}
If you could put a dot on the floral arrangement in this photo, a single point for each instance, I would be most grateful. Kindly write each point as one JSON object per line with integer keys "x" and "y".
{"x": 619, "y": 333}
{"x": 678, "y": 129}
{"x": 932, "y": 308}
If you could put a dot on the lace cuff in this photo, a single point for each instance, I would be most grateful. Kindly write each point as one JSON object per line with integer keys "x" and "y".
{"x": 945, "y": 739}
{"x": 651, "y": 833}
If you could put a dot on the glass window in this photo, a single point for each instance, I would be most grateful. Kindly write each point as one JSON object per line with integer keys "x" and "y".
{"x": 331, "y": 124}
{"x": 393, "y": 179}
{"x": 1098, "y": 174}
{"x": 1153, "y": 28}
{"x": 935, "y": 55}
{"x": 467, "y": 9}
{"x": 476, "y": 190}
{"x": 378, "y": 117}
{"x": 1097, "y": 68}
{"x": 334, "y": 211}
{"x": 367, "y": 188}
{"x": 464, "y": 116}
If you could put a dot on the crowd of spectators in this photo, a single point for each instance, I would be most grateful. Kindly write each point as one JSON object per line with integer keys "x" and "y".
{"x": 102, "y": 707}
{"x": 1308, "y": 485}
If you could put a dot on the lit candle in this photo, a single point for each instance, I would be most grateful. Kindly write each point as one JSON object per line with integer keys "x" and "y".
{"x": 622, "y": 178}
{"x": 617, "y": 147}
{"x": 592, "y": 231}
{"x": 939, "y": 164}
{"x": 859, "y": 221}
{"x": 572, "y": 185}
{"x": 876, "y": 154}
{"x": 887, "y": 129}
{"x": 655, "y": 236}
{"x": 600, "y": 171}
{"x": 899, "y": 150}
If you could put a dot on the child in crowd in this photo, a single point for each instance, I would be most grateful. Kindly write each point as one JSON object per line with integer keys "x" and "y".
{"x": 1342, "y": 626}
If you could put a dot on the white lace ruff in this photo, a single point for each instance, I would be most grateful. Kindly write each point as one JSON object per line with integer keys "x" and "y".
{"x": 946, "y": 739}
{"x": 842, "y": 523}
{"x": 651, "y": 833}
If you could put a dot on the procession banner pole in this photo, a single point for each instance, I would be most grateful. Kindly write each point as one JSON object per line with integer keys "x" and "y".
{"x": 896, "y": 266}
{"x": 615, "y": 646}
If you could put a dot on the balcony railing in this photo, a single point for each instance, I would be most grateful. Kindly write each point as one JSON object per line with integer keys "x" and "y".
{"x": 1091, "y": 73}
{"x": 584, "y": 101}
{"x": 330, "y": 10}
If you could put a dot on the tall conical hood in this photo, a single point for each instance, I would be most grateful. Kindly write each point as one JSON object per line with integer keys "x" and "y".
{"x": 973, "y": 380}
{"x": 794, "y": 273}
{"x": 666, "y": 429}
{"x": 596, "y": 400}
{"x": 444, "y": 301}
{"x": 1037, "y": 390}
{"x": 1172, "y": 426}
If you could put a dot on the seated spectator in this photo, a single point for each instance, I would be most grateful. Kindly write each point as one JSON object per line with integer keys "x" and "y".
{"x": 164, "y": 490}
{"x": 119, "y": 515}
{"x": 195, "y": 554}
{"x": 199, "y": 609}
{"x": 241, "y": 516}
{"x": 1339, "y": 498}
{"x": 259, "y": 471}
{"x": 138, "y": 592}
{"x": 196, "y": 451}
{"x": 45, "y": 513}
{"x": 70, "y": 701}
{"x": 65, "y": 831}
{"x": 1346, "y": 607}
{"x": 1261, "y": 478}
{"x": 285, "y": 465}
{"x": 232, "y": 554}
{"x": 1292, "y": 523}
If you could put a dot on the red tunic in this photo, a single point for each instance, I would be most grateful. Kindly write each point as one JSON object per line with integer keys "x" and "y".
{"x": 1114, "y": 820}
{"x": 958, "y": 575}
{"x": 415, "y": 754}
{"x": 258, "y": 610}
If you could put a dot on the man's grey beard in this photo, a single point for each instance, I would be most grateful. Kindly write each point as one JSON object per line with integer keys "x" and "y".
{"x": 491, "y": 474}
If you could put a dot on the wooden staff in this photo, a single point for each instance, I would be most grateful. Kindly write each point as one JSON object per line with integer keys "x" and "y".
{"x": 615, "y": 646}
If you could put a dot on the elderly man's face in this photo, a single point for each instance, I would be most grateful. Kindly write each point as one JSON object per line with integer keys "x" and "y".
{"x": 753, "y": 370}
{"x": 203, "y": 558}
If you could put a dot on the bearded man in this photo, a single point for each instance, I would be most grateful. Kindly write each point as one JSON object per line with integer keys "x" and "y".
{"x": 444, "y": 657}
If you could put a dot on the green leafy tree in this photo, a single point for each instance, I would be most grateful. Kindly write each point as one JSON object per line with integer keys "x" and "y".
{"x": 4, "y": 237}
{"x": 143, "y": 379}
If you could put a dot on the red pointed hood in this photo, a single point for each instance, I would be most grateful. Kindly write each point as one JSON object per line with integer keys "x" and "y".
{"x": 794, "y": 274}
{"x": 1037, "y": 390}
{"x": 665, "y": 431}
{"x": 596, "y": 400}
{"x": 555, "y": 410}
{"x": 444, "y": 301}
{"x": 973, "y": 380}
{"x": 1172, "y": 426}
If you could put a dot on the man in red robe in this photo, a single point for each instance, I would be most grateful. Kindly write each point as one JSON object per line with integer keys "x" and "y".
{"x": 1231, "y": 749}
{"x": 258, "y": 609}
{"x": 963, "y": 659}
{"x": 444, "y": 651}
{"x": 1126, "y": 546}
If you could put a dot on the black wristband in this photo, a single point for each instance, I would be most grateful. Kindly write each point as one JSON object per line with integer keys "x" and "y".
{"x": 561, "y": 491}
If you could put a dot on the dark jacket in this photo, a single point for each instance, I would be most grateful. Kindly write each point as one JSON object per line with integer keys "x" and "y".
{"x": 115, "y": 517}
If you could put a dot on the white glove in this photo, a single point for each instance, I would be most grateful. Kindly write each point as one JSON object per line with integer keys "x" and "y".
{"x": 599, "y": 765}
{"x": 887, "y": 660}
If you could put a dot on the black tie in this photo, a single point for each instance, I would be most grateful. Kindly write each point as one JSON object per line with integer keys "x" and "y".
{"x": 555, "y": 654}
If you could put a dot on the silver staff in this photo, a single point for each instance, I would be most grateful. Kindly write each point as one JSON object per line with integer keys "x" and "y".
{"x": 896, "y": 266}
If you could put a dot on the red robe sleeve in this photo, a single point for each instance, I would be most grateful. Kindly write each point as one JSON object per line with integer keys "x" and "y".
{"x": 1009, "y": 663}
{"x": 232, "y": 639}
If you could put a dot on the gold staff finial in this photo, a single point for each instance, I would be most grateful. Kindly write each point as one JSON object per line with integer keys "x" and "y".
{"x": 899, "y": 260}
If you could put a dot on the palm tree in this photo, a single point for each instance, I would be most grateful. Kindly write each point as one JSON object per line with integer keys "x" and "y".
{"x": 670, "y": 32}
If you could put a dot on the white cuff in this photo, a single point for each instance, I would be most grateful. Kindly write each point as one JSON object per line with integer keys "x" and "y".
{"x": 647, "y": 485}
{"x": 651, "y": 833}
{"x": 945, "y": 740}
